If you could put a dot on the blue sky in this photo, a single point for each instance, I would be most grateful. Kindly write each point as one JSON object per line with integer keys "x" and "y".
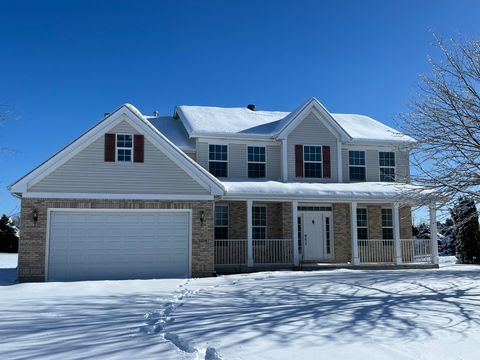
{"x": 65, "y": 63}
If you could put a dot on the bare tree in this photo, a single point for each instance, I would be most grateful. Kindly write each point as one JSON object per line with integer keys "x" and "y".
{"x": 445, "y": 119}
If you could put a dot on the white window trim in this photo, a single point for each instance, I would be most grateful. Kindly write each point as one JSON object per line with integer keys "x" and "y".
{"x": 225, "y": 161}
{"x": 266, "y": 221}
{"x": 357, "y": 166}
{"x": 387, "y": 167}
{"x": 257, "y": 162}
{"x": 363, "y": 227}
{"x": 312, "y": 162}
{"x": 228, "y": 220}
{"x": 123, "y": 148}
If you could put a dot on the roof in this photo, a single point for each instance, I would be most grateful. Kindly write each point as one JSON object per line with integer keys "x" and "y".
{"x": 323, "y": 191}
{"x": 174, "y": 130}
{"x": 220, "y": 121}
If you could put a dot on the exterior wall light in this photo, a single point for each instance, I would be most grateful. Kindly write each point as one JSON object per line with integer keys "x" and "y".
{"x": 35, "y": 216}
{"x": 202, "y": 216}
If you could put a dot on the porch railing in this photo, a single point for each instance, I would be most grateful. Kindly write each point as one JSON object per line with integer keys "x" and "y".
{"x": 416, "y": 250}
{"x": 378, "y": 251}
{"x": 265, "y": 252}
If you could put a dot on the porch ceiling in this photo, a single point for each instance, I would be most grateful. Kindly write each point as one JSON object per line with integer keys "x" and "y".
{"x": 341, "y": 192}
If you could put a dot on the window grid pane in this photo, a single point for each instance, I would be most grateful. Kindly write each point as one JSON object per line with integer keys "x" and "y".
{"x": 218, "y": 169}
{"x": 362, "y": 218}
{"x": 357, "y": 173}
{"x": 386, "y": 158}
{"x": 256, "y": 154}
{"x": 259, "y": 216}
{"x": 312, "y": 153}
{"x": 221, "y": 215}
{"x": 218, "y": 152}
{"x": 356, "y": 158}
{"x": 387, "y": 174}
{"x": 256, "y": 170}
{"x": 387, "y": 218}
{"x": 313, "y": 170}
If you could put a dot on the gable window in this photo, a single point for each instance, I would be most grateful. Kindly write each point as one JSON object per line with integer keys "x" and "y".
{"x": 362, "y": 224}
{"x": 256, "y": 161}
{"x": 312, "y": 161}
{"x": 387, "y": 224}
{"x": 124, "y": 147}
{"x": 218, "y": 160}
{"x": 386, "y": 161}
{"x": 221, "y": 222}
{"x": 356, "y": 162}
{"x": 259, "y": 222}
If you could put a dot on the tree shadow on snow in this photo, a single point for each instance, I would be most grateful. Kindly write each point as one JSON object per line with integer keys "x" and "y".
{"x": 340, "y": 306}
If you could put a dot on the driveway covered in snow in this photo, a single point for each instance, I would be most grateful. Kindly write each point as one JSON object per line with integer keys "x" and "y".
{"x": 341, "y": 314}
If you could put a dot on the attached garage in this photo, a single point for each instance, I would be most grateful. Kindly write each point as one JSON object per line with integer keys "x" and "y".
{"x": 96, "y": 244}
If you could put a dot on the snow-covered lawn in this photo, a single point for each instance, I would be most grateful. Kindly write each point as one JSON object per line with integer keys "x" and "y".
{"x": 341, "y": 314}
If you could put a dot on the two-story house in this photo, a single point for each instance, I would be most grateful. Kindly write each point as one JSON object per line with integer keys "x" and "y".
{"x": 221, "y": 189}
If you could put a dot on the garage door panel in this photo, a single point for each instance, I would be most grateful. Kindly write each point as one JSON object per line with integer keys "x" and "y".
{"x": 133, "y": 244}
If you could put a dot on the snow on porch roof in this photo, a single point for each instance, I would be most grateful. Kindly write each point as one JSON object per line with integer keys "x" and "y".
{"x": 325, "y": 191}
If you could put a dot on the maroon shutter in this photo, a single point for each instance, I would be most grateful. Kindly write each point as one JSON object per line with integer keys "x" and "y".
{"x": 299, "y": 160}
{"x": 110, "y": 147}
{"x": 326, "y": 162}
{"x": 138, "y": 148}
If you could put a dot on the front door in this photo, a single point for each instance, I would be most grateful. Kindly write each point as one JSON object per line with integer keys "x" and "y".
{"x": 313, "y": 236}
{"x": 317, "y": 236}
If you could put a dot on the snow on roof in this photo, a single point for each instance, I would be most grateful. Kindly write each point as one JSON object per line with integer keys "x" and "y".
{"x": 208, "y": 121}
{"x": 361, "y": 127}
{"x": 174, "y": 130}
{"x": 347, "y": 191}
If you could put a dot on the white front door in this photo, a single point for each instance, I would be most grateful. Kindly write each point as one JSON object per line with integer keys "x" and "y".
{"x": 317, "y": 236}
{"x": 313, "y": 236}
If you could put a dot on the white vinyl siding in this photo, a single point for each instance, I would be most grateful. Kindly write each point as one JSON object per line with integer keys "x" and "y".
{"x": 312, "y": 131}
{"x": 237, "y": 165}
{"x": 87, "y": 172}
{"x": 274, "y": 159}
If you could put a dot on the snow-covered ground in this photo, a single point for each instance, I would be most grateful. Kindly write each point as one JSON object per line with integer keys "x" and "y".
{"x": 341, "y": 314}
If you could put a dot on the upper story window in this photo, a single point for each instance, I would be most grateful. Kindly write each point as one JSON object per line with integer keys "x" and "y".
{"x": 387, "y": 224}
{"x": 259, "y": 222}
{"x": 386, "y": 161}
{"x": 256, "y": 162}
{"x": 218, "y": 160}
{"x": 312, "y": 161}
{"x": 356, "y": 168}
{"x": 362, "y": 224}
{"x": 221, "y": 222}
{"x": 124, "y": 147}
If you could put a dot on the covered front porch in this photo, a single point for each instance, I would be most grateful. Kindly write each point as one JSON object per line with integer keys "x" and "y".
{"x": 253, "y": 234}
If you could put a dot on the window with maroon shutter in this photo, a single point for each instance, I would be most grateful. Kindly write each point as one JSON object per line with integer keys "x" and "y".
{"x": 327, "y": 173}
{"x": 110, "y": 147}
{"x": 138, "y": 146}
{"x": 299, "y": 160}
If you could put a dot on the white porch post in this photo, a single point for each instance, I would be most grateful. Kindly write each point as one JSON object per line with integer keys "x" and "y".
{"x": 295, "y": 232}
{"x": 249, "y": 234}
{"x": 353, "y": 222}
{"x": 396, "y": 234}
{"x": 433, "y": 232}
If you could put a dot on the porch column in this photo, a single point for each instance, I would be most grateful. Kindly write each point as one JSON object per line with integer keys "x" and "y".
{"x": 433, "y": 232}
{"x": 249, "y": 234}
{"x": 295, "y": 232}
{"x": 353, "y": 222}
{"x": 396, "y": 234}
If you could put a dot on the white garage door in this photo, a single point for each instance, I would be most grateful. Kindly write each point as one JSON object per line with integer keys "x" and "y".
{"x": 106, "y": 244}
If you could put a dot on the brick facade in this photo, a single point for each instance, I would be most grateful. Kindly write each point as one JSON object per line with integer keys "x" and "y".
{"x": 31, "y": 259}
{"x": 342, "y": 233}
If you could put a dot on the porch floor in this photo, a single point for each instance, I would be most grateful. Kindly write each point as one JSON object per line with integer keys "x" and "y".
{"x": 226, "y": 270}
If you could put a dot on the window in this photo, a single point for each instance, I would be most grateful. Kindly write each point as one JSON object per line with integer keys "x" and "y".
{"x": 299, "y": 229}
{"x": 314, "y": 208}
{"x": 356, "y": 162}
{"x": 362, "y": 224}
{"x": 124, "y": 147}
{"x": 312, "y": 161}
{"x": 259, "y": 222}
{"x": 386, "y": 160}
{"x": 218, "y": 160}
{"x": 221, "y": 222}
{"x": 387, "y": 224}
{"x": 256, "y": 162}
{"x": 328, "y": 241}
